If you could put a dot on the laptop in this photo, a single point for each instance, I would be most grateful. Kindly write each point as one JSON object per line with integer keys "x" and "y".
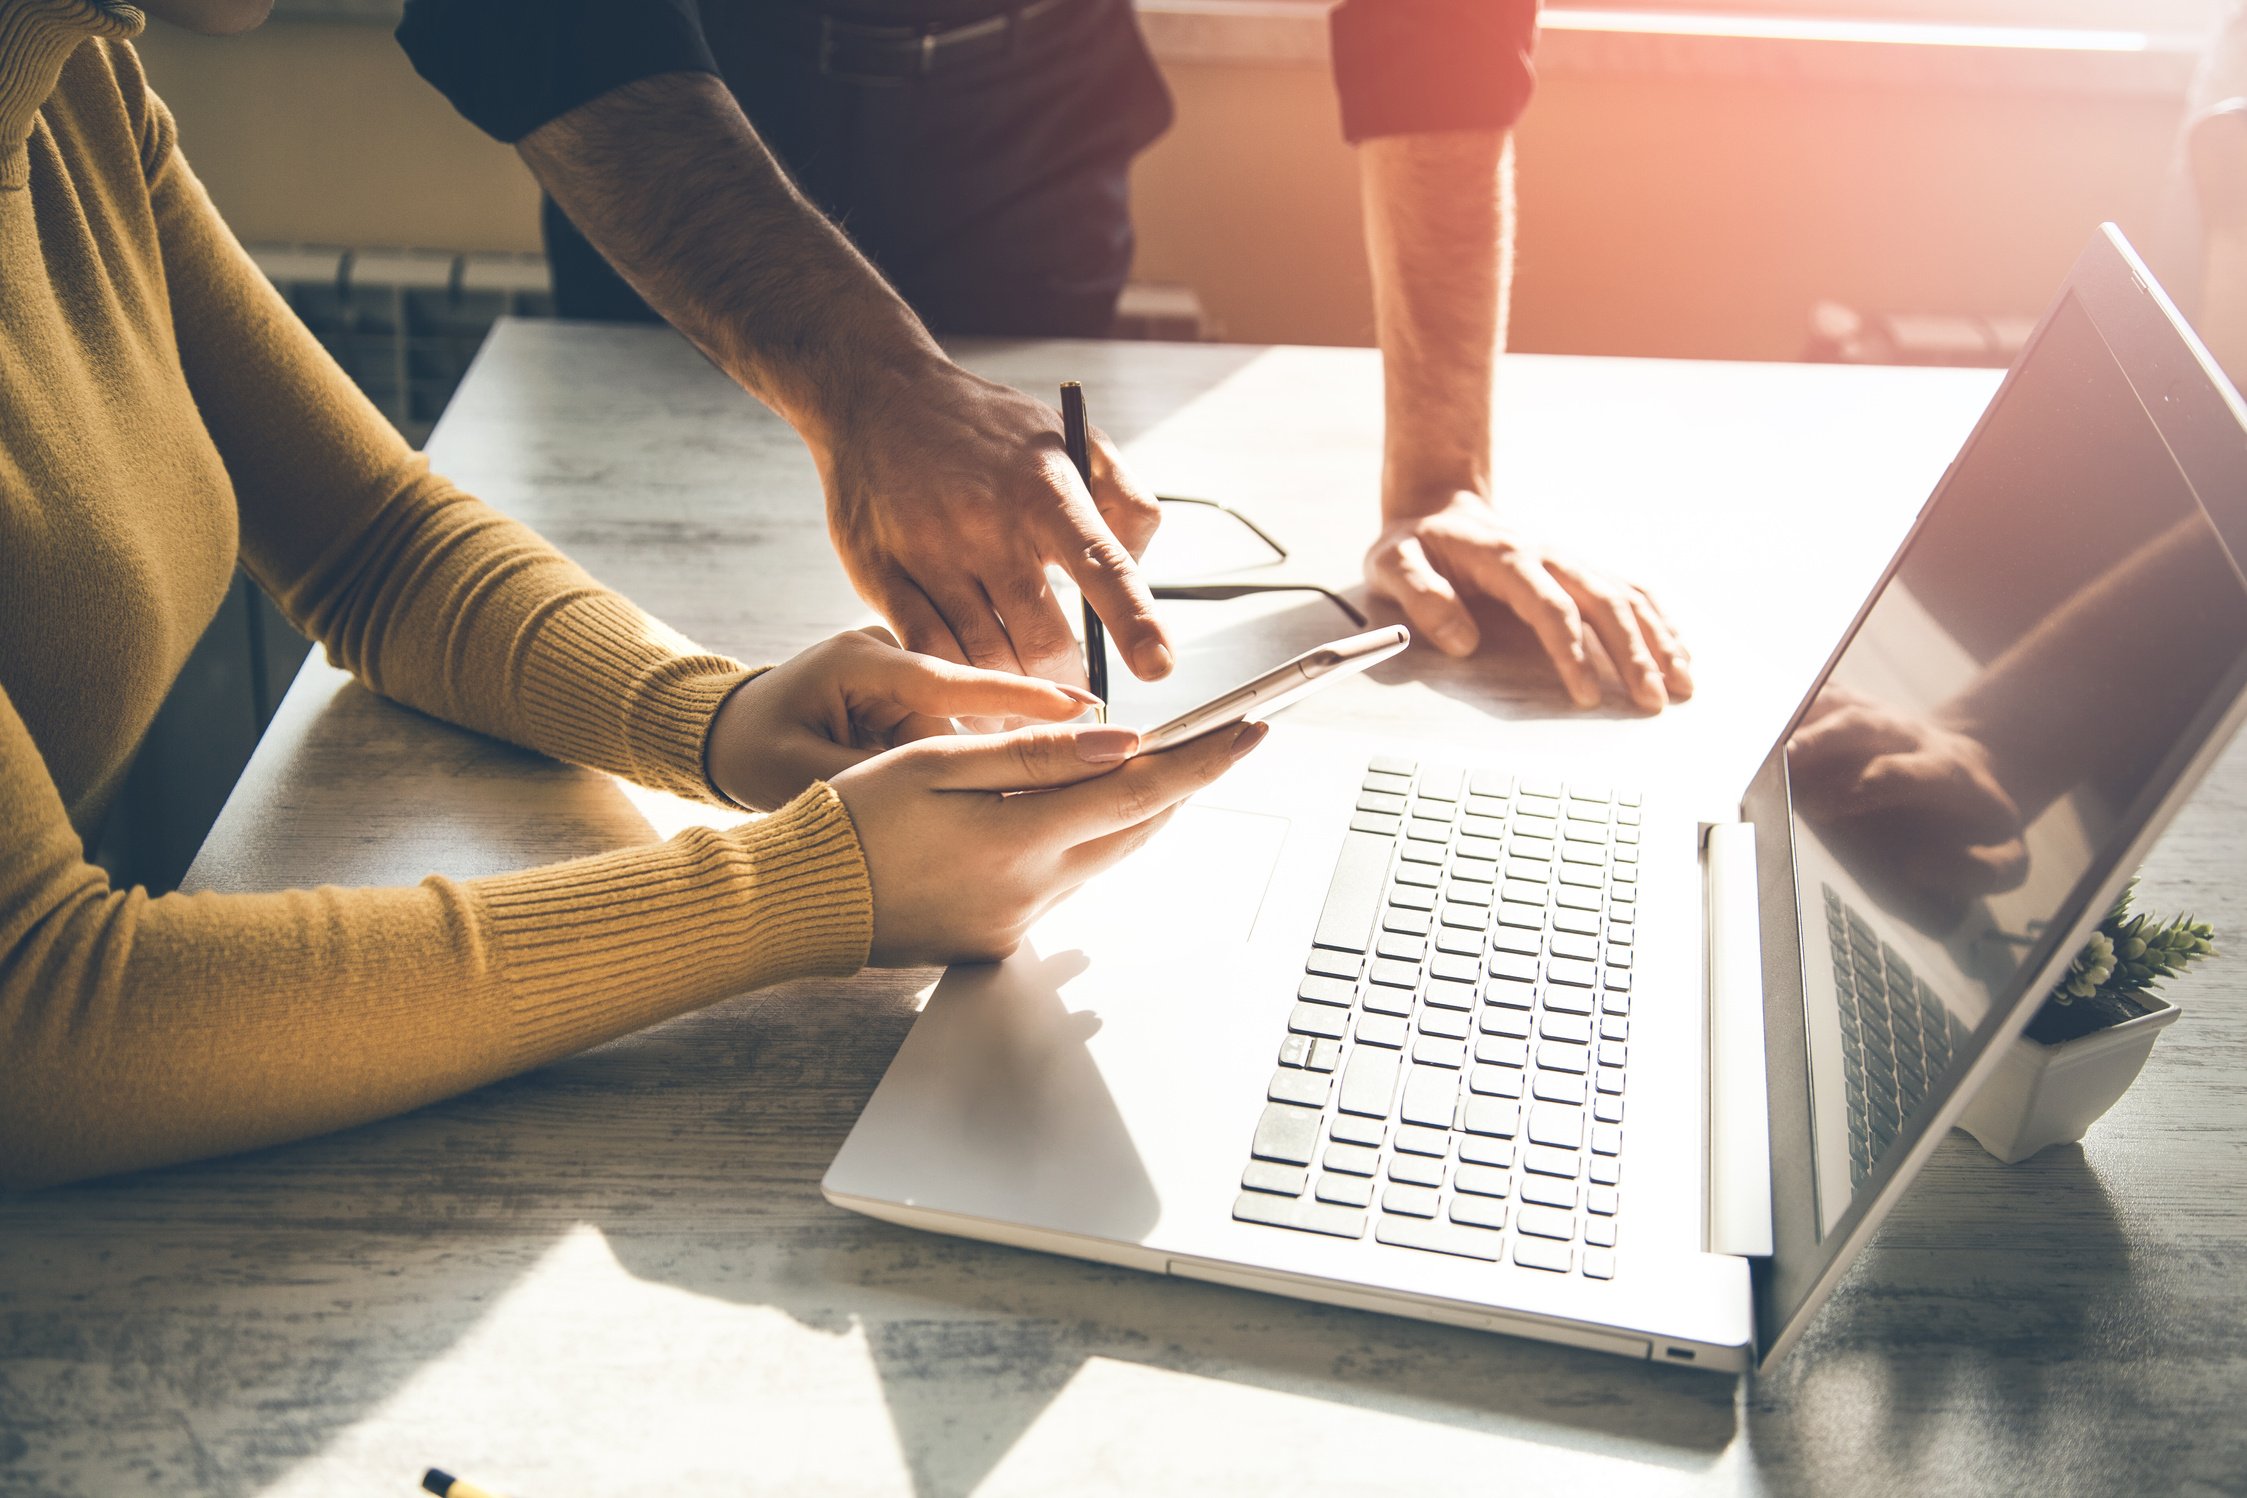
{"x": 1490, "y": 1044}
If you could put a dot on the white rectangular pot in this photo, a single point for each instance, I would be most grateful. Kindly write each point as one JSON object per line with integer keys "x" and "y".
{"x": 2049, "y": 1094}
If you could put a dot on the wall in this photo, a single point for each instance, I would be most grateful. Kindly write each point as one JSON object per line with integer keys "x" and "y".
{"x": 1662, "y": 214}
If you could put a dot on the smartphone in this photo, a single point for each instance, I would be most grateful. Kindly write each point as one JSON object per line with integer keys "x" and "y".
{"x": 1278, "y": 687}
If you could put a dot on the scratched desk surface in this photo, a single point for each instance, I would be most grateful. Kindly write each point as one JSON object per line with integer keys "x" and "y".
{"x": 617, "y": 1276}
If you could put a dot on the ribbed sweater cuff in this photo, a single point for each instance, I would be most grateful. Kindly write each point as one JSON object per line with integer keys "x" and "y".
{"x": 595, "y": 949}
{"x": 657, "y": 719}
{"x": 36, "y": 38}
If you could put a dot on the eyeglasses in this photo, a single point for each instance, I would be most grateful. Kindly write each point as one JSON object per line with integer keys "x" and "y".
{"x": 1221, "y": 592}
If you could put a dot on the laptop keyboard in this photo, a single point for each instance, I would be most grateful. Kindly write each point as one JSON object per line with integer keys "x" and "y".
{"x": 1896, "y": 1036}
{"x": 1452, "y": 1074}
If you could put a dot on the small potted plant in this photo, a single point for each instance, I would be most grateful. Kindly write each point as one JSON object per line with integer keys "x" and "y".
{"x": 2088, "y": 1042}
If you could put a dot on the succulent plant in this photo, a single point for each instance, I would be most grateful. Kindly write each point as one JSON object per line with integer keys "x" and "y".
{"x": 2123, "y": 960}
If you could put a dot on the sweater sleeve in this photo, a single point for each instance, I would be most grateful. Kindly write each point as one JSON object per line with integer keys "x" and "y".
{"x": 139, "y": 1030}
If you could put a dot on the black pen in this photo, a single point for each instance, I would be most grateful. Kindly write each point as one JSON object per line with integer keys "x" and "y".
{"x": 1076, "y": 435}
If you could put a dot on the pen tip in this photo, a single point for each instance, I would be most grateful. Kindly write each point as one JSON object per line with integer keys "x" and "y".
{"x": 437, "y": 1481}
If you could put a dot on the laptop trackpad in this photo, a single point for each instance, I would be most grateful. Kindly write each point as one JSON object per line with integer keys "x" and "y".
{"x": 1199, "y": 883}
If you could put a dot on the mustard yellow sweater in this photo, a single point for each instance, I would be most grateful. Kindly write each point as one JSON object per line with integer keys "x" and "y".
{"x": 162, "y": 415}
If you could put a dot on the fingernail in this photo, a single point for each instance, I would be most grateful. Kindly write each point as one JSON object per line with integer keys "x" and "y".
{"x": 1153, "y": 661}
{"x": 1104, "y": 746}
{"x": 1249, "y": 737}
{"x": 1075, "y": 694}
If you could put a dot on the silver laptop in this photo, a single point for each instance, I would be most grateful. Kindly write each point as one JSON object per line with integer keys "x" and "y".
{"x": 1491, "y": 1045}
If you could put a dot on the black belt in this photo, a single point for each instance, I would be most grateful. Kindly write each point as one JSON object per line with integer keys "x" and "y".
{"x": 862, "y": 52}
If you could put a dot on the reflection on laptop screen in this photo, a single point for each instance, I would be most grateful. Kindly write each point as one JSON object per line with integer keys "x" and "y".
{"x": 2063, "y": 614}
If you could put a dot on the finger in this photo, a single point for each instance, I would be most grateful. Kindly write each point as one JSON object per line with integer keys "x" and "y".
{"x": 945, "y": 689}
{"x": 1612, "y": 620}
{"x": 1024, "y": 760}
{"x": 1144, "y": 787}
{"x": 921, "y": 628}
{"x": 880, "y": 636}
{"x": 971, "y": 620}
{"x": 1927, "y": 782}
{"x": 1088, "y": 859}
{"x": 1109, "y": 577}
{"x": 1035, "y": 623}
{"x": 1431, "y": 604}
{"x": 1669, "y": 652}
{"x": 1522, "y": 584}
{"x": 1846, "y": 734}
{"x": 1131, "y": 511}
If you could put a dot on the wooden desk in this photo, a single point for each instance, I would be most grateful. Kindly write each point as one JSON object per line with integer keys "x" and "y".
{"x": 617, "y": 1276}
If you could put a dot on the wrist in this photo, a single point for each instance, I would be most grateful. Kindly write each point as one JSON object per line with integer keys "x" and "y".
{"x": 862, "y": 377}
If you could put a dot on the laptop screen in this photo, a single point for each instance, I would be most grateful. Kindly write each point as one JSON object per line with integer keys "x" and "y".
{"x": 1987, "y": 741}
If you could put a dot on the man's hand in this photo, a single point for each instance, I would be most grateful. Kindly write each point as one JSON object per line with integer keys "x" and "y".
{"x": 947, "y": 496}
{"x": 1426, "y": 562}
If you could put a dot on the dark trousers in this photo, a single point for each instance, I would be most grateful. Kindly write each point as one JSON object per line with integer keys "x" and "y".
{"x": 995, "y": 196}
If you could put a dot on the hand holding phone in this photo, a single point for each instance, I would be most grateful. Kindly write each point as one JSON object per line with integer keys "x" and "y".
{"x": 1279, "y": 687}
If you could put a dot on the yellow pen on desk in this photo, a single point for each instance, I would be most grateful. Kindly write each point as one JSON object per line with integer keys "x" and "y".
{"x": 445, "y": 1485}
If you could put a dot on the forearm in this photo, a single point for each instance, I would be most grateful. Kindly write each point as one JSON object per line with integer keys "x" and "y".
{"x": 1439, "y": 233}
{"x": 669, "y": 180}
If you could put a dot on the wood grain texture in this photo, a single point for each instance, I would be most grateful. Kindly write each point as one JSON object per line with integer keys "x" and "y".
{"x": 617, "y": 1275}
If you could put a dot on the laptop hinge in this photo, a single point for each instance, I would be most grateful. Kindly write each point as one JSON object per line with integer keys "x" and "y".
{"x": 1739, "y": 1143}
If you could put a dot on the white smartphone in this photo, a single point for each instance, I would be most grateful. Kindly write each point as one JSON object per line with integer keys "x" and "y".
{"x": 1278, "y": 687}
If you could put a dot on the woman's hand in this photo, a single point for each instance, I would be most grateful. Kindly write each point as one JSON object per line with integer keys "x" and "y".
{"x": 850, "y": 697}
{"x": 961, "y": 867}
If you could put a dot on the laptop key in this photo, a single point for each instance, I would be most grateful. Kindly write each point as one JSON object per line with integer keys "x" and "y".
{"x": 1556, "y": 1055}
{"x": 1382, "y": 801}
{"x": 1342, "y": 992}
{"x": 1556, "y": 1124}
{"x": 1573, "y": 973}
{"x": 1383, "y": 1030}
{"x": 1608, "y": 1109}
{"x": 1606, "y": 1170}
{"x": 1305, "y": 1089}
{"x": 1369, "y": 1082}
{"x": 1557, "y": 1026}
{"x": 1353, "y": 894}
{"x": 1472, "y": 892}
{"x": 1567, "y": 944}
{"x": 1512, "y": 939}
{"x": 1327, "y": 963}
{"x": 1441, "y": 1237}
{"x": 1351, "y": 1159}
{"x": 1287, "y": 1134}
{"x": 1478, "y": 1211}
{"x": 1412, "y": 1201}
{"x": 1465, "y": 942}
{"x": 1578, "y": 899}
{"x": 1547, "y": 1192}
{"x": 1441, "y": 782}
{"x": 1416, "y": 1170}
{"x": 1511, "y": 993}
{"x": 1607, "y": 1139}
{"x": 1494, "y": 1081}
{"x": 1434, "y": 1050}
{"x": 1325, "y": 1055}
{"x": 1478, "y": 870}
{"x": 1348, "y": 1129}
{"x": 1558, "y": 1087}
{"x": 1580, "y": 922}
{"x": 1545, "y": 1222}
{"x": 1569, "y": 1001}
{"x": 1281, "y": 1180}
{"x": 1413, "y": 1139}
{"x": 1614, "y": 1027}
{"x": 1483, "y": 1180}
{"x": 1502, "y": 1050}
{"x": 1454, "y": 968}
{"x": 1445, "y": 994}
{"x": 1431, "y": 1095}
{"x": 1600, "y": 1232}
{"x": 1307, "y": 1214}
{"x": 1602, "y": 1200}
{"x": 1406, "y": 922}
{"x": 1318, "y": 1019}
{"x": 1507, "y": 1024}
{"x": 1295, "y": 1050}
{"x": 1514, "y": 966}
{"x": 1496, "y": 1117}
{"x": 1450, "y": 1024}
{"x": 1599, "y": 1264}
{"x": 1390, "y": 764}
{"x": 1400, "y": 948}
{"x": 1394, "y": 974}
{"x": 1544, "y": 1160}
{"x": 1419, "y": 873}
{"x": 1345, "y": 1191}
{"x": 1379, "y": 1000}
{"x": 1536, "y": 1253}
{"x": 1413, "y": 897}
